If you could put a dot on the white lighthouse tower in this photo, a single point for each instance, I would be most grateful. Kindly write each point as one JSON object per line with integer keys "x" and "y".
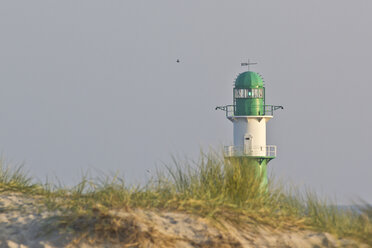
{"x": 249, "y": 115}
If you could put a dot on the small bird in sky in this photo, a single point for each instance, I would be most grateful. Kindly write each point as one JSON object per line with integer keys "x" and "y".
{"x": 177, "y": 60}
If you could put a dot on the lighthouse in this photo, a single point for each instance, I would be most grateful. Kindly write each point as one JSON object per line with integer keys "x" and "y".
{"x": 249, "y": 115}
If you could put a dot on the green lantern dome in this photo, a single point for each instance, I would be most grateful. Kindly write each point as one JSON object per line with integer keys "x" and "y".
{"x": 248, "y": 79}
{"x": 249, "y": 94}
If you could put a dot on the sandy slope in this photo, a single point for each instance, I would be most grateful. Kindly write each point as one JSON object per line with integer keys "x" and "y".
{"x": 24, "y": 222}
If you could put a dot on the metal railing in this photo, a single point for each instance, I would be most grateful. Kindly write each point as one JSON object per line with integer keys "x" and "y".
{"x": 230, "y": 110}
{"x": 269, "y": 109}
{"x": 255, "y": 151}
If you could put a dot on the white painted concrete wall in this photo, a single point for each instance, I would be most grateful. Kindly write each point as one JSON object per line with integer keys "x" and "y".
{"x": 253, "y": 127}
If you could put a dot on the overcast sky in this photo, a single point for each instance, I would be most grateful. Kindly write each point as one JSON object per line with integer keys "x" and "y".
{"x": 95, "y": 85}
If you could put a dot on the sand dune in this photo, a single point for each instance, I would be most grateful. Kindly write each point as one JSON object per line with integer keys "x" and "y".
{"x": 25, "y": 222}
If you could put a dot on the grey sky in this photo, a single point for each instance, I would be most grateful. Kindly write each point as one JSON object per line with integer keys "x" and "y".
{"x": 95, "y": 84}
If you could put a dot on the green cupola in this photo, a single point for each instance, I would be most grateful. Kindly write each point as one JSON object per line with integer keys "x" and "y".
{"x": 249, "y": 94}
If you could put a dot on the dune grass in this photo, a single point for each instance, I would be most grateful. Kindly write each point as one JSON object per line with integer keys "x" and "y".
{"x": 213, "y": 187}
{"x": 14, "y": 178}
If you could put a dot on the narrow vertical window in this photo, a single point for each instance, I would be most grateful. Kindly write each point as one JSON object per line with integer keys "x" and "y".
{"x": 260, "y": 93}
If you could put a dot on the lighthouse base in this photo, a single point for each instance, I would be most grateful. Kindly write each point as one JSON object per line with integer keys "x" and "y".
{"x": 256, "y": 165}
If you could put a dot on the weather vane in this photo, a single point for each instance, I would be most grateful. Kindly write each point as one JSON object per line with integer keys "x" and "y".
{"x": 248, "y": 64}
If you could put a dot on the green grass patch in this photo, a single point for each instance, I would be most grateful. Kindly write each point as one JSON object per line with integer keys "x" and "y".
{"x": 15, "y": 179}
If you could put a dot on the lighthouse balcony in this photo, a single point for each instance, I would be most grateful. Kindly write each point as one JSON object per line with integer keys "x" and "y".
{"x": 230, "y": 110}
{"x": 255, "y": 151}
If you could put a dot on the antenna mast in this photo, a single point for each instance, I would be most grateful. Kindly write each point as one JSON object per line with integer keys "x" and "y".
{"x": 247, "y": 64}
